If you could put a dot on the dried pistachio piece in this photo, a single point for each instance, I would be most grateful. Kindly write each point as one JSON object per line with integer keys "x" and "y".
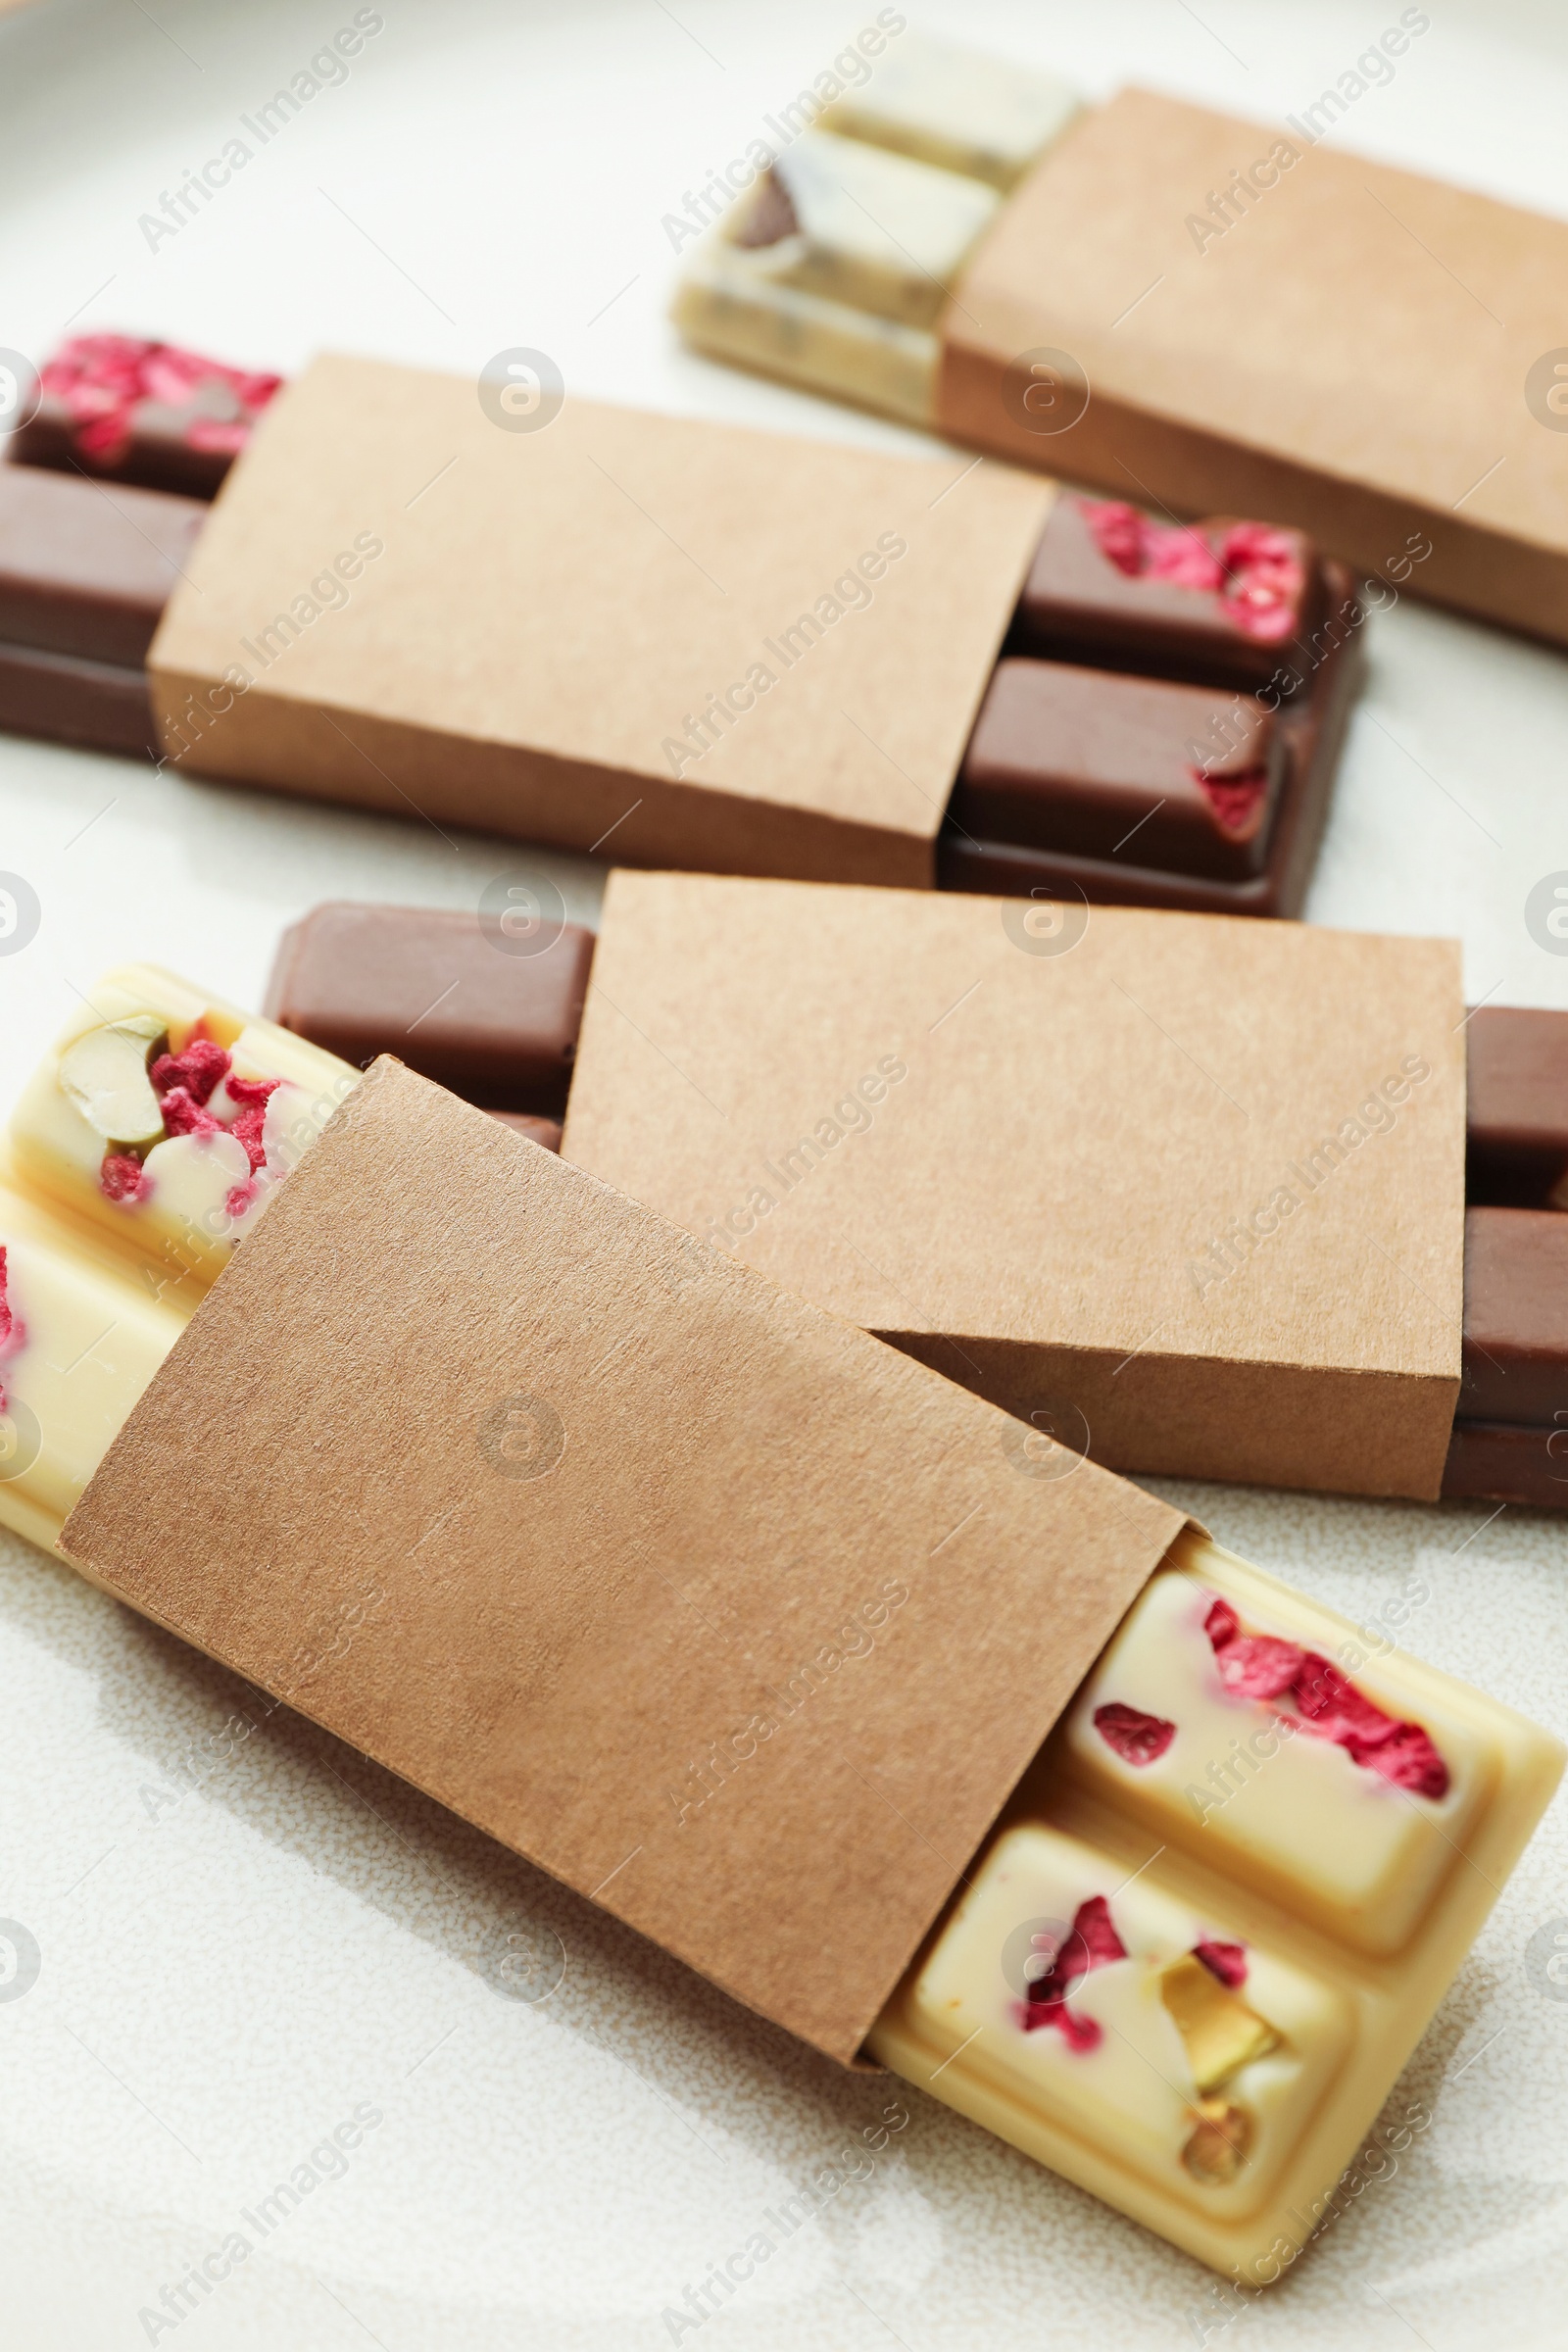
{"x": 1221, "y": 2032}
{"x": 1220, "y": 2145}
{"x": 104, "y": 1073}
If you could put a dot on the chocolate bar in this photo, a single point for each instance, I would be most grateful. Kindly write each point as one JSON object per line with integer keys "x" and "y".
{"x": 143, "y": 1150}
{"x": 1221, "y": 1909}
{"x": 126, "y": 409}
{"x": 1164, "y": 726}
{"x": 1510, "y": 1437}
{"x": 833, "y": 268}
{"x": 84, "y": 574}
{"x": 1226, "y": 1896}
{"x": 491, "y": 1013}
{"x": 1516, "y": 1113}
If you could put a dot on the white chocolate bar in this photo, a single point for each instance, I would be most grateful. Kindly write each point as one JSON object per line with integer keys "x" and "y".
{"x": 142, "y": 1151}
{"x": 956, "y": 109}
{"x": 1199, "y": 2018}
{"x": 727, "y": 306}
{"x": 834, "y": 266}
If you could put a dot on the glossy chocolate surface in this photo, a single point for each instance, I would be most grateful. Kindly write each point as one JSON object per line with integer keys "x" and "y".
{"x": 86, "y": 570}
{"x": 496, "y": 1026}
{"x": 1070, "y": 759}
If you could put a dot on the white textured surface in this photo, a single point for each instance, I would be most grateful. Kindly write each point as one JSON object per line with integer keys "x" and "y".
{"x": 225, "y": 1978}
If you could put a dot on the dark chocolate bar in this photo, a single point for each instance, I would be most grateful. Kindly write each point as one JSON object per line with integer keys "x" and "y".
{"x": 1309, "y": 701}
{"x": 1517, "y": 1107}
{"x": 149, "y": 414}
{"x": 1515, "y": 1316}
{"x": 85, "y": 571}
{"x": 1217, "y": 602}
{"x": 496, "y": 1026}
{"x": 1069, "y": 759}
{"x": 1510, "y": 1438}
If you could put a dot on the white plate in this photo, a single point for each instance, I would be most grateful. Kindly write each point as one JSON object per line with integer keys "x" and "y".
{"x": 236, "y": 1954}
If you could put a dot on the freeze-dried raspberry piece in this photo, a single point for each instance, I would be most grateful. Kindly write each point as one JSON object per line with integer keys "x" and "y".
{"x": 1118, "y": 534}
{"x": 1140, "y": 548}
{"x": 1092, "y": 1942}
{"x": 1257, "y": 1666}
{"x": 1222, "y": 1624}
{"x": 1137, "y": 1737}
{"x": 252, "y": 1093}
{"x": 5, "y": 1317}
{"x": 240, "y": 1196}
{"x": 247, "y": 1130}
{"x": 1407, "y": 1757}
{"x": 1333, "y": 1707}
{"x": 1227, "y": 1961}
{"x": 1092, "y": 1928}
{"x": 1263, "y": 580}
{"x": 183, "y": 1115}
{"x": 122, "y": 1178}
{"x": 197, "y": 1071}
{"x": 1233, "y": 799}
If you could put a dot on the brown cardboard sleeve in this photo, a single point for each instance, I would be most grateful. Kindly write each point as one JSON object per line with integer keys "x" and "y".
{"x": 1353, "y": 352}
{"x": 1164, "y": 1180}
{"x": 547, "y": 612}
{"x": 736, "y": 1620}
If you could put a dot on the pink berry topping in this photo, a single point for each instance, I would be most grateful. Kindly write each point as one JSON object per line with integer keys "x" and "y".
{"x": 197, "y": 1071}
{"x": 12, "y": 1334}
{"x": 1258, "y": 1666}
{"x": 1234, "y": 798}
{"x": 122, "y": 1177}
{"x": 1092, "y": 1942}
{"x": 1137, "y": 1737}
{"x": 1255, "y": 569}
{"x": 104, "y": 379}
{"x": 185, "y": 1083}
{"x": 1227, "y": 1961}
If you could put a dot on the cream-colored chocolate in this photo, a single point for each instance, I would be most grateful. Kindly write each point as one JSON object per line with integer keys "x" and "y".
{"x": 1245, "y": 1782}
{"x": 1140, "y": 2093}
{"x": 113, "y": 1227}
{"x": 83, "y": 1337}
{"x": 730, "y": 307}
{"x": 956, "y": 108}
{"x": 863, "y": 226}
{"x": 835, "y": 266}
{"x": 197, "y": 1193}
{"x": 1279, "y": 1957}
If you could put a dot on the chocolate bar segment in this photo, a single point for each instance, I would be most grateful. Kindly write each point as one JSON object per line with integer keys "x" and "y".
{"x": 1310, "y": 703}
{"x": 144, "y": 412}
{"x": 87, "y": 571}
{"x": 1084, "y": 761}
{"x": 430, "y": 987}
{"x": 1219, "y": 602}
{"x": 1515, "y": 1316}
{"x": 65, "y": 699}
{"x": 1510, "y": 1439}
{"x": 1516, "y": 1116}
